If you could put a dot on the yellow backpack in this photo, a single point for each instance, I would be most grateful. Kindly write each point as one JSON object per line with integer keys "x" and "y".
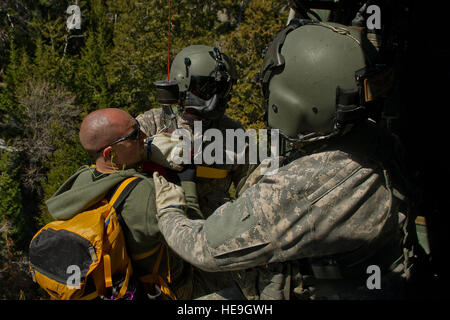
{"x": 85, "y": 257}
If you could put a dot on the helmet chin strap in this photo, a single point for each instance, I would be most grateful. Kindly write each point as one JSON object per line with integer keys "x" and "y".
{"x": 308, "y": 142}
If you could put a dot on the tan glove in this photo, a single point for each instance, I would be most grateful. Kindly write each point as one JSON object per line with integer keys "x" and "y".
{"x": 169, "y": 196}
{"x": 164, "y": 150}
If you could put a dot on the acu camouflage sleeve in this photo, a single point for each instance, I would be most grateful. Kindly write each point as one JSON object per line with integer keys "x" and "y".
{"x": 316, "y": 206}
{"x": 197, "y": 241}
{"x": 150, "y": 121}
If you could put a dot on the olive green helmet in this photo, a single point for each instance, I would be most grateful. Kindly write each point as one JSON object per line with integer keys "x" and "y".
{"x": 311, "y": 78}
{"x": 207, "y": 74}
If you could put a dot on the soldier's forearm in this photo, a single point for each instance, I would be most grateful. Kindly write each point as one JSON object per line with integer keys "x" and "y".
{"x": 187, "y": 239}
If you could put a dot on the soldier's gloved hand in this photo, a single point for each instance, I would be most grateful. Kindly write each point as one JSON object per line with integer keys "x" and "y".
{"x": 169, "y": 196}
{"x": 164, "y": 151}
{"x": 188, "y": 173}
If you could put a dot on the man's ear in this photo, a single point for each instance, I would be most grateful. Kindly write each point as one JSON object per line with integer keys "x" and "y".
{"x": 108, "y": 153}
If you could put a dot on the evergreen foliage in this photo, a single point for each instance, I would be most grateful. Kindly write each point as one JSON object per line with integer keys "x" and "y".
{"x": 11, "y": 220}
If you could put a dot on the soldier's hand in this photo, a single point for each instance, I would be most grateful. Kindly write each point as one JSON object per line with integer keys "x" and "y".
{"x": 164, "y": 150}
{"x": 169, "y": 196}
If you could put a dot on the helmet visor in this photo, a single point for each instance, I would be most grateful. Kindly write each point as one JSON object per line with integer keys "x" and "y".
{"x": 206, "y": 87}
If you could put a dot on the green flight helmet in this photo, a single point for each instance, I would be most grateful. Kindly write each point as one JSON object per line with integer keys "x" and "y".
{"x": 310, "y": 78}
{"x": 205, "y": 76}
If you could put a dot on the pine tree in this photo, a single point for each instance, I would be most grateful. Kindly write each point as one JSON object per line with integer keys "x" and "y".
{"x": 90, "y": 77}
{"x": 11, "y": 211}
{"x": 139, "y": 56}
{"x": 259, "y": 24}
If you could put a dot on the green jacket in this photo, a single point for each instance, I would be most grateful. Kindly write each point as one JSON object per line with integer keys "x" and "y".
{"x": 142, "y": 234}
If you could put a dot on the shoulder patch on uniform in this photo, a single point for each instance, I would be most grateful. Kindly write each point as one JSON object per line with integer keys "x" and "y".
{"x": 220, "y": 228}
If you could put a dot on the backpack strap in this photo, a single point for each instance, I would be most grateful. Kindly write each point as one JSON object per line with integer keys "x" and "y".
{"x": 123, "y": 191}
{"x": 120, "y": 194}
{"x": 155, "y": 278}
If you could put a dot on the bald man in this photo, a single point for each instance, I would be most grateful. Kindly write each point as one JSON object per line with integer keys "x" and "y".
{"x": 114, "y": 139}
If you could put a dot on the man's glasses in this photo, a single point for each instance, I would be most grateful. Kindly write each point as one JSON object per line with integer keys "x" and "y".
{"x": 132, "y": 136}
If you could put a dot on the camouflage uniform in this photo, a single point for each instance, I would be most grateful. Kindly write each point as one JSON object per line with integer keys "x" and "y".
{"x": 212, "y": 193}
{"x": 311, "y": 230}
